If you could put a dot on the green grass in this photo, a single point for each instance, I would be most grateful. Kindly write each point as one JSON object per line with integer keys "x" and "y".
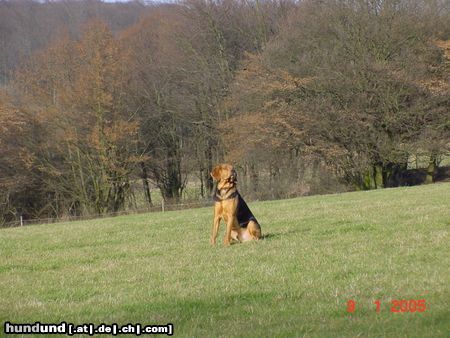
{"x": 319, "y": 252}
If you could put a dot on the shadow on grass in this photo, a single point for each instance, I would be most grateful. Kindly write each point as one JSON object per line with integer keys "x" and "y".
{"x": 275, "y": 235}
{"x": 271, "y": 235}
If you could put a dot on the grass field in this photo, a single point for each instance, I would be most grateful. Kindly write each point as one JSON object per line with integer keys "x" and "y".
{"x": 318, "y": 253}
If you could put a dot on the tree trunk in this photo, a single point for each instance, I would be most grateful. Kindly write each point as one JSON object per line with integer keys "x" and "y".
{"x": 202, "y": 184}
{"x": 431, "y": 169}
{"x": 369, "y": 180}
{"x": 146, "y": 185}
{"x": 378, "y": 176}
{"x": 254, "y": 179}
{"x": 209, "y": 159}
{"x": 172, "y": 185}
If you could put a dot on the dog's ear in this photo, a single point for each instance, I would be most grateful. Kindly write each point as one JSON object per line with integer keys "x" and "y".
{"x": 215, "y": 173}
{"x": 234, "y": 173}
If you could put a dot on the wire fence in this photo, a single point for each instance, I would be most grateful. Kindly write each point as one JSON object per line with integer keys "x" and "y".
{"x": 157, "y": 208}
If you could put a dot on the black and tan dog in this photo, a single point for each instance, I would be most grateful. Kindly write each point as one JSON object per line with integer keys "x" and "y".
{"x": 242, "y": 226}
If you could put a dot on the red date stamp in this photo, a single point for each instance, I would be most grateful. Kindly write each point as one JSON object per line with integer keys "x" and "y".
{"x": 401, "y": 306}
{"x": 408, "y": 305}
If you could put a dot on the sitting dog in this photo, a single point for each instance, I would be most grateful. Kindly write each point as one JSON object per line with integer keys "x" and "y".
{"x": 242, "y": 226}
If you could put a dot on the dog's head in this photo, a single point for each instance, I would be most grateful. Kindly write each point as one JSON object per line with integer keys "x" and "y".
{"x": 225, "y": 176}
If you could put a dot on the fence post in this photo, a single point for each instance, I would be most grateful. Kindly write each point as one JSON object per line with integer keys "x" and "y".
{"x": 162, "y": 205}
{"x": 21, "y": 220}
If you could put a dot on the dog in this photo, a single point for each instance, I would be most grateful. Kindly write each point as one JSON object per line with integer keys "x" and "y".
{"x": 241, "y": 225}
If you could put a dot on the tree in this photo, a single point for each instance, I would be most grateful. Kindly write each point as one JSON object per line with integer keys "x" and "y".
{"x": 27, "y": 26}
{"x": 366, "y": 60}
{"x": 11, "y": 177}
{"x": 184, "y": 58}
{"x": 76, "y": 89}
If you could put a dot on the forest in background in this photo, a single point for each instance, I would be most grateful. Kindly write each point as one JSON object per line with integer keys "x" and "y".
{"x": 102, "y": 103}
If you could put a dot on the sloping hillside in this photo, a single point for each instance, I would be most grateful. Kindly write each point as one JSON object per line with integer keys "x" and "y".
{"x": 318, "y": 253}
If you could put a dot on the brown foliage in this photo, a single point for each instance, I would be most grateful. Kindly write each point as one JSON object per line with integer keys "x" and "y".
{"x": 76, "y": 90}
{"x": 302, "y": 96}
{"x": 352, "y": 94}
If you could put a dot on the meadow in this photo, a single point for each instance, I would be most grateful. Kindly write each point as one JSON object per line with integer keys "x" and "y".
{"x": 318, "y": 253}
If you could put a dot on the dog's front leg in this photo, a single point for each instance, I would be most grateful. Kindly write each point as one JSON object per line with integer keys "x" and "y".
{"x": 227, "y": 239}
{"x": 215, "y": 229}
